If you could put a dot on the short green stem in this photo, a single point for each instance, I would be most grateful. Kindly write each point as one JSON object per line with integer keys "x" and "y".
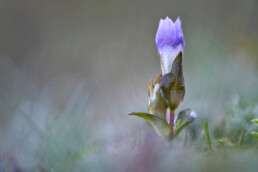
{"x": 171, "y": 121}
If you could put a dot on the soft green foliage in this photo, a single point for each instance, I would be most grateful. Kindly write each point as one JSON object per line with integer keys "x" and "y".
{"x": 238, "y": 121}
{"x": 238, "y": 128}
{"x": 224, "y": 142}
{"x": 255, "y": 121}
{"x": 181, "y": 128}
{"x": 207, "y": 134}
{"x": 157, "y": 103}
{"x": 177, "y": 125}
{"x": 160, "y": 126}
{"x": 255, "y": 134}
{"x": 183, "y": 119}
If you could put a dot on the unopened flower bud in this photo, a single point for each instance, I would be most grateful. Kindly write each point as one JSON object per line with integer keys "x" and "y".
{"x": 169, "y": 41}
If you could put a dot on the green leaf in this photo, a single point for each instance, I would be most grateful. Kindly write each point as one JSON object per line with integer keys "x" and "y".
{"x": 150, "y": 88}
{"x": 173, "y": 83}
{"x": 160, "y": 126}
{"x": 158, "y": 103}
{"x": 182, "y": 127}
{"x": 255, "y": 134}
{"x": 177, "y": 125}
{"x": 207, "y": 135}
{"x": 225, "y": 142}
{"x": 255, "y": 120}
{"x": 183, "y": 119}
{"x": 186, "y": 115}
{"x": 221, "y": 141}
{"x": 158, "y": 78}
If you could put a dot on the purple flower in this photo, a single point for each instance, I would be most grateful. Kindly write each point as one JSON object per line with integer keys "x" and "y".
{"x": 170, "y": 41}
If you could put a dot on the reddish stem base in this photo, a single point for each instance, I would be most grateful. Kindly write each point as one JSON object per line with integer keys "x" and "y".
{"x": 171, "y": 121}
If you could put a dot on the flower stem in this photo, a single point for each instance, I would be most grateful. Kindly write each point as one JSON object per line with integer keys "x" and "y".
{"x": 171, "y": 121}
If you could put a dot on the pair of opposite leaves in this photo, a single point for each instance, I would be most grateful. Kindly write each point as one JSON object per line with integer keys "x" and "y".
{"x": 170, "y": 94}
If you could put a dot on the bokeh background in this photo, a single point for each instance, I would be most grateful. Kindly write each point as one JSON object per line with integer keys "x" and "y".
{"x": 71, "y": 71}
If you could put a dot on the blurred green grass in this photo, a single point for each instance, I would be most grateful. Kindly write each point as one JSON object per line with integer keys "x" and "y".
{"x": 73, "y": 71}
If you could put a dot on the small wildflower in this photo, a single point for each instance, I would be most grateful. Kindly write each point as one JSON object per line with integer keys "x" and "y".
{"x": 169, "y": 41}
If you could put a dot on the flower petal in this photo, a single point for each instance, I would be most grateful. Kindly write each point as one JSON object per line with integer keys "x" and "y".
{"x": 169, "y": 41}
{"x": 166, "y": 33}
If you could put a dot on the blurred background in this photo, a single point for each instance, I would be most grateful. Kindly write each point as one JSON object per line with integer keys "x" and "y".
{"x": 71, "y": 71}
